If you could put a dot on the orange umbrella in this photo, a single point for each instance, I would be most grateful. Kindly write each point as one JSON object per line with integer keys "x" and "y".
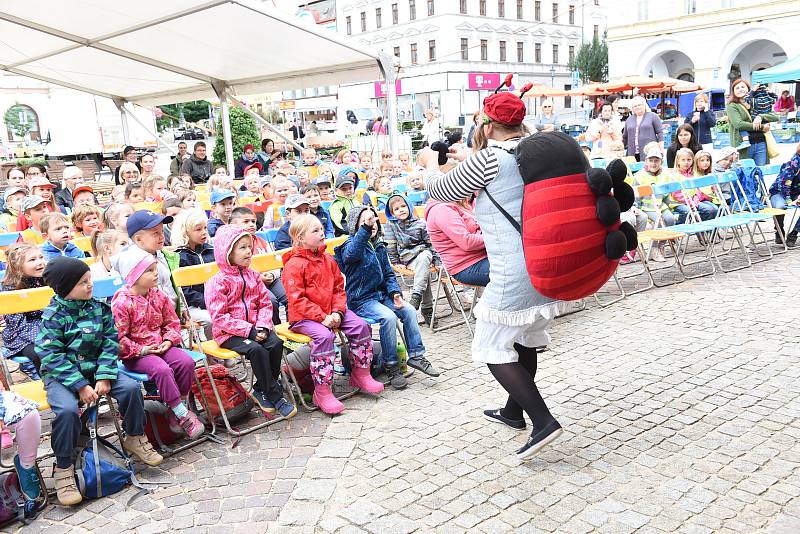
{"x": 544, "y": 91}
{"x": 587, "y": 90}
{"x": 642, "y": 83}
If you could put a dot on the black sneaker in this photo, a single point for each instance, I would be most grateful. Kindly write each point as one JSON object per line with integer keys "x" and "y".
{"x": 539, "y": 439}
{"x": 496, "y": 416}
{"x": 396, "y": 378}
{"x": 422, "y": 364}
{"x": 415, "y": 300}
{"x": 427, "y": 314}
{"x": 791, "y": 239}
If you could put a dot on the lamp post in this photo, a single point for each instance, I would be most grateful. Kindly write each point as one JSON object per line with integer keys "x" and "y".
{"x": 552, "y": 74}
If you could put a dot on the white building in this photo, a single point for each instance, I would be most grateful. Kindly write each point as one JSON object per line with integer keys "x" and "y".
{"x": 452, "y": 53}
{"x": 708, "y": 41}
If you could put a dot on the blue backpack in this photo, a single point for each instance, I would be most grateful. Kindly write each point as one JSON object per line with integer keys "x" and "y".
{"x": 101, "y": 468}
{"x": 749, "y": 178}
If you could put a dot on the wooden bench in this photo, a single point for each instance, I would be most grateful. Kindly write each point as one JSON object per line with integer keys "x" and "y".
{"x": 88, "y": 167}
{"x": 113, "y": 164}
{"x": 55, "y": 170}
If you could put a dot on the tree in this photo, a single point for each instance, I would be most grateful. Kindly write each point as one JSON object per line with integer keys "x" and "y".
{"x": 591, "y": 61}
{"x": 243, "y": 132}
{"x": 14, "y": 122}
{"x": 192, "y": 111}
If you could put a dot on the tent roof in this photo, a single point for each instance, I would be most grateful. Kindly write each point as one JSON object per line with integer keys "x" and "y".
{"x": 159, "y": 52}
{"x": 786, "y": 72}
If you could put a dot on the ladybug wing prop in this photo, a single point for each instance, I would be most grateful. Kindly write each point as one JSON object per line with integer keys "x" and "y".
{"x": 571, "y": 232}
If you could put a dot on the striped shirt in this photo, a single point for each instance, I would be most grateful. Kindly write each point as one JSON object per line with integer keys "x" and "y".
{"x": 471, "y": 176}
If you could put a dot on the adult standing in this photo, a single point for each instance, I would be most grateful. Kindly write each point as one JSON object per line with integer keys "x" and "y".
{"x": 129, "y": 155}
{"x": 431, "y": 129}
{"x": 297, "y": 134}
{"x": 378, "y": 128}
{"x": 148, "y": 165}
{"x": 603, "y": 131}
{"x": 247, "y": 159}
{"x": 198, "y": 166}
{"x": 642, "y": 127}
{"x": 702, "y": 120}
{"x": 512, "y": 317}
{"x": 267, "y": 155}
{"x": 740, "y": 120}
{"x": 548, "y": 120}
{"x": 177, "y": 161}
{"x": 475, "y": 117}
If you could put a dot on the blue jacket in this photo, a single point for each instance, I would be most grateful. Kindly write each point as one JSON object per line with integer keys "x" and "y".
{"x": 195, "y": 296}
{"x": 702, "y": 128}
{"x": 213, "y": 226}
{"x": 787, "y": 183}
{"x": 50, "y": 251}
{"x": 282, "y": 239}
{"x": 366, "y": 267}
{"x": 325, "y": 218}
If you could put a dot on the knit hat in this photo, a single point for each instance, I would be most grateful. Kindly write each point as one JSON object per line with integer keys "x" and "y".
{"x": 726, "y": 152}
{"x": 63, "y": 274}
{"x": 505, "y": 108}
{"x": 132, "y": 263}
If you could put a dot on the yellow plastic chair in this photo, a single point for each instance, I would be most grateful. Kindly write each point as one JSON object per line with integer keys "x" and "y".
{"x": 152, "y": 206}
{"x": 202, "y": 196}
{"x": 32, "y": 236}
{"x": 243, "y": 201}
{"x": 83, "y": 242}
{"x": 333, "y": 242}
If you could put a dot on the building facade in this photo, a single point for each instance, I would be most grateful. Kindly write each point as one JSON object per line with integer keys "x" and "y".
{"x": 711, "y": 42}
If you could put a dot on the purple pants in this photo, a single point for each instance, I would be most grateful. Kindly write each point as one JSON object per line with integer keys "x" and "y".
{"x": 173, "y": 373}
{"x": 358, "y": 334}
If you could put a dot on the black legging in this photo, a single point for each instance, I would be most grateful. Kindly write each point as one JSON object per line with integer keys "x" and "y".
{"x": 517, "y": 378}
{"x": 265, "y": 359}
{"x": 29, "y": 352}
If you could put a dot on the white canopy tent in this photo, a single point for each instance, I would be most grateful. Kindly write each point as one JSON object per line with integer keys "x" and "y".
{"x": 161, "y": 52}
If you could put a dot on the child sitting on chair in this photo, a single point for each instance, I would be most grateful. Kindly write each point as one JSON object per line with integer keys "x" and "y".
{"x": 25, "y": 267}
{"x": 86, "y": 219}
{"x": 241, "y": 315}
{"x": 105, "y": 244}
{"x": 20, "y": 414}
{"x": 58, "y": 230}
{"x": 317, "y": 306}
{"x": 312, "y": 194}
{"x": 408, "y": 244}
{"x": 78, "y": 347}
{"x": 149, "y": 336}
{"x": 373, "y": 293}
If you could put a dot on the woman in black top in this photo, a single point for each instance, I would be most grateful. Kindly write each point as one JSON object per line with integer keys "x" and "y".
{"x": 684, "y": 138}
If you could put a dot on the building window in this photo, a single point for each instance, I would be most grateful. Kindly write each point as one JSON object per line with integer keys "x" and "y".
{"x": 690, "y": 7}
{"x": 431, "y": 50}
{"x": 502, "y": 50}
{"x": 555, "y": 54}
{"x": 567, "y": 98}
{"x": 537, "y": 52}
{"x": 642, "y": 11}
{"x": 555, "y": 13}
{"x": 572, "y": 14}
{"x": 520, "y": 52}
{"x": 394, "y": 13}
{"x": 413, "y": 53}
{"x": 412, "y": 9}
{"x": 519, "y": 9}
{"x": 378, "y": 22}
{"x": 501, "y": 8}
{"x": 463, "y": 7}
{"x": 464, "y": 49}
{"x": 363, "y": 21}
{"x": 397, "y": 52}
{"x": 571, "y": 54}
{"x": 537, "y": 11}
{"x": 484, "y": 50}
{"x": 349, "y": 24}
{"x": 596, "y": 32}
{"x": 597, "y": 2}
{"x": 482, "y": 7}
{"x": 430, "y": 8}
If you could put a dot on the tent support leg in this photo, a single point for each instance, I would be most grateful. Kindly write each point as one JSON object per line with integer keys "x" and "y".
{"x": 390, "y": 75}
{"x": 154, "y": 134}
{"x": 222, "y": 94}
{"x": 123, "y": 115}
{"x": 261, "y": 120}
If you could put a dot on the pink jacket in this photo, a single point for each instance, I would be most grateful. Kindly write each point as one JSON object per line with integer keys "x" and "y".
{"x": 144, "y": 320}
{"x": 236, "y": 297}
{"x": 455, "y": 235}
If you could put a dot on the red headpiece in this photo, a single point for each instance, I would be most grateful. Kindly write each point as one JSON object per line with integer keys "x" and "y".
{"x": 505, "y": 108}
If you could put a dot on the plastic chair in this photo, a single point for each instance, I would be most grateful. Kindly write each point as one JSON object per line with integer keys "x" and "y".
{"x": 83, "y": 242}
{"x": 268, "y": 235}
{"x": 105, "y": 288}
{"x": 8, "y": 238}
{"x": 333, "y": 242}
{"x": 152, "y": 206}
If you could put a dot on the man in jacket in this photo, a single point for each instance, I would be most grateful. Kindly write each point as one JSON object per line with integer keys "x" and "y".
{"x": 198, "y": 165}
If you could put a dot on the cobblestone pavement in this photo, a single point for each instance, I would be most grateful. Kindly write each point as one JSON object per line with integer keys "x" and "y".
{"x": 680, "y": 408}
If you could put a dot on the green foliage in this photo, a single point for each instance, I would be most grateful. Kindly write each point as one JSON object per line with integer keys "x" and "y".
{"x": 243, "y": 131}
{"x": 23, "y": 162}
{"x": 591, "y": 62}
{"x": 11, "y": 119}
{"x": 192, "y": 112}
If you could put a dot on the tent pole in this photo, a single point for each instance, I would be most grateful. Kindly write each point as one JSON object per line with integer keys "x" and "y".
{"x": 390, "y": 75}
{"x": 123, "y": 115}
{"x": 261, "y": 120}
{"x": 222, "y": 94}
{"x": 154, "y": 134}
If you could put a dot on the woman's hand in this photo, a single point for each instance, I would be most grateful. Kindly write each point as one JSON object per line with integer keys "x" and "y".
{"x": 765, "y": 127}
{"x": 757, "y": 123}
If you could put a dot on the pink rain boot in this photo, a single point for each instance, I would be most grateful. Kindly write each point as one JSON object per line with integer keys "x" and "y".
{"x": 361, "y": 379}
{"x": 7, "y": 440}
{"x": 325, "y": 400}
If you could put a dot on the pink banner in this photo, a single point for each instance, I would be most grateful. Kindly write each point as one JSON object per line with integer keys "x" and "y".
{"x": 380, "y": 89}
{"x": 483, "y": 81}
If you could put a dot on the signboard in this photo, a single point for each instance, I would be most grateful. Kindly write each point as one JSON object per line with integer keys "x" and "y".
{"x": 576, "y": 79}
{"x": 380, "y": 89}
{"x": 284, "y": 105}
{"x": 478, "y": 81}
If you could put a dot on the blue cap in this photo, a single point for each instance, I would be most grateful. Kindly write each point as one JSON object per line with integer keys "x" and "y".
{"x": 322, "y": 180}
{"x": 585, "y": 144}
{"x": 144, "y": 220}
{"x": 218, "y": 195}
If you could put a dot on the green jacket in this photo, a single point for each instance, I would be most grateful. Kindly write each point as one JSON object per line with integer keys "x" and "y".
{"x": 78, "y": 342}
{"x": 339, "y": 210}
{"x": 739, "y": 119}
{"x": 173, "y": 262}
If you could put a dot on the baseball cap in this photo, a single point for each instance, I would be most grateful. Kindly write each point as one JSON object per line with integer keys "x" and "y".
{"x": 654, "y": 153}
{"x": 12, "y": 191}
{"x": 255, "y": 165}
{"x": 322, "y": 180}
{"x": 81, "y": 189}
{"x": 144, "y": 220}
{"x": 40, "y": 181}
{"x": 344, "y": 177}
{"x": 31, "y": 202}
{"x": 265, "y": 180}
{"x": 218, "y": 195}
{"x": 295, "y": 201}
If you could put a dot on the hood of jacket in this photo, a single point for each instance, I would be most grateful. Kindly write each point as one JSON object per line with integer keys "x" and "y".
{"x": 355, "y": 213}
{"x": 431, "y": 203}
{"x": 389, "y": 216}
{"x": 224, "y": 240}
{"x": 304, "y": 254}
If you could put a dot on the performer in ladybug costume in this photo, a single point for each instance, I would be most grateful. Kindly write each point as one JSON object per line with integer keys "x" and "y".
{"x": 512, "y": 315}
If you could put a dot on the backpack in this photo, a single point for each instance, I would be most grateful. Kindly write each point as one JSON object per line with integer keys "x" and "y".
{"x": 236, "y": 401}
{"x": 101, "y": 468}
{"x": 12, "y": 501}
{"x": 156, "y": 423}
{"x": 748, "y": 178}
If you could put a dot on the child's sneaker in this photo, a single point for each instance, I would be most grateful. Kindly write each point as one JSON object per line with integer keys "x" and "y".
{"x": 139, "y": 447}
{"x": 263, "y": 402}
{"x": 396, "y": 378}
{"x": 66, "y": 487}
{"x": 415, "y": 300}
{"x": 191, "y": 425}
{"x": 427, "y": 314}
{"x": 31, "y": 488}
{"x": 285, "y": 408}
{"x": 421, "y": 363}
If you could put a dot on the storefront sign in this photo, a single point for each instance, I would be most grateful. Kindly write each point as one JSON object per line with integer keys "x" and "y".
{"x": 482, "y": 81}
{"x": 380, "y": 89}
{"x": 284, "y": 105}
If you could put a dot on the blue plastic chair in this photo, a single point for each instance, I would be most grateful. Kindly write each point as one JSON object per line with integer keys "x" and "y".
{"x": 599, "y": 163}
{"x": 400, "y": 188}
{"x": 105, "y": 288}
{"x": 417, "y": 197}
{"x": 747, "y": 163}
{"x": 8, "y": 238}
{"x": 282, "y": 211}
{"x": 326, "y": 204}
{"x": 268, "y": 235}
{"x": 636, "y": 166}
{"x": 2, "y": 275}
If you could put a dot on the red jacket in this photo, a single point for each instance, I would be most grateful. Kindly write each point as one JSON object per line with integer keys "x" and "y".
{"x": 236, "y": 298}
{"x": 314, "y": 284}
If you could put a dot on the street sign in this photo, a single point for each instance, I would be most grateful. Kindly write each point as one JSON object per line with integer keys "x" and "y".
{"x": 576, "y": 79}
